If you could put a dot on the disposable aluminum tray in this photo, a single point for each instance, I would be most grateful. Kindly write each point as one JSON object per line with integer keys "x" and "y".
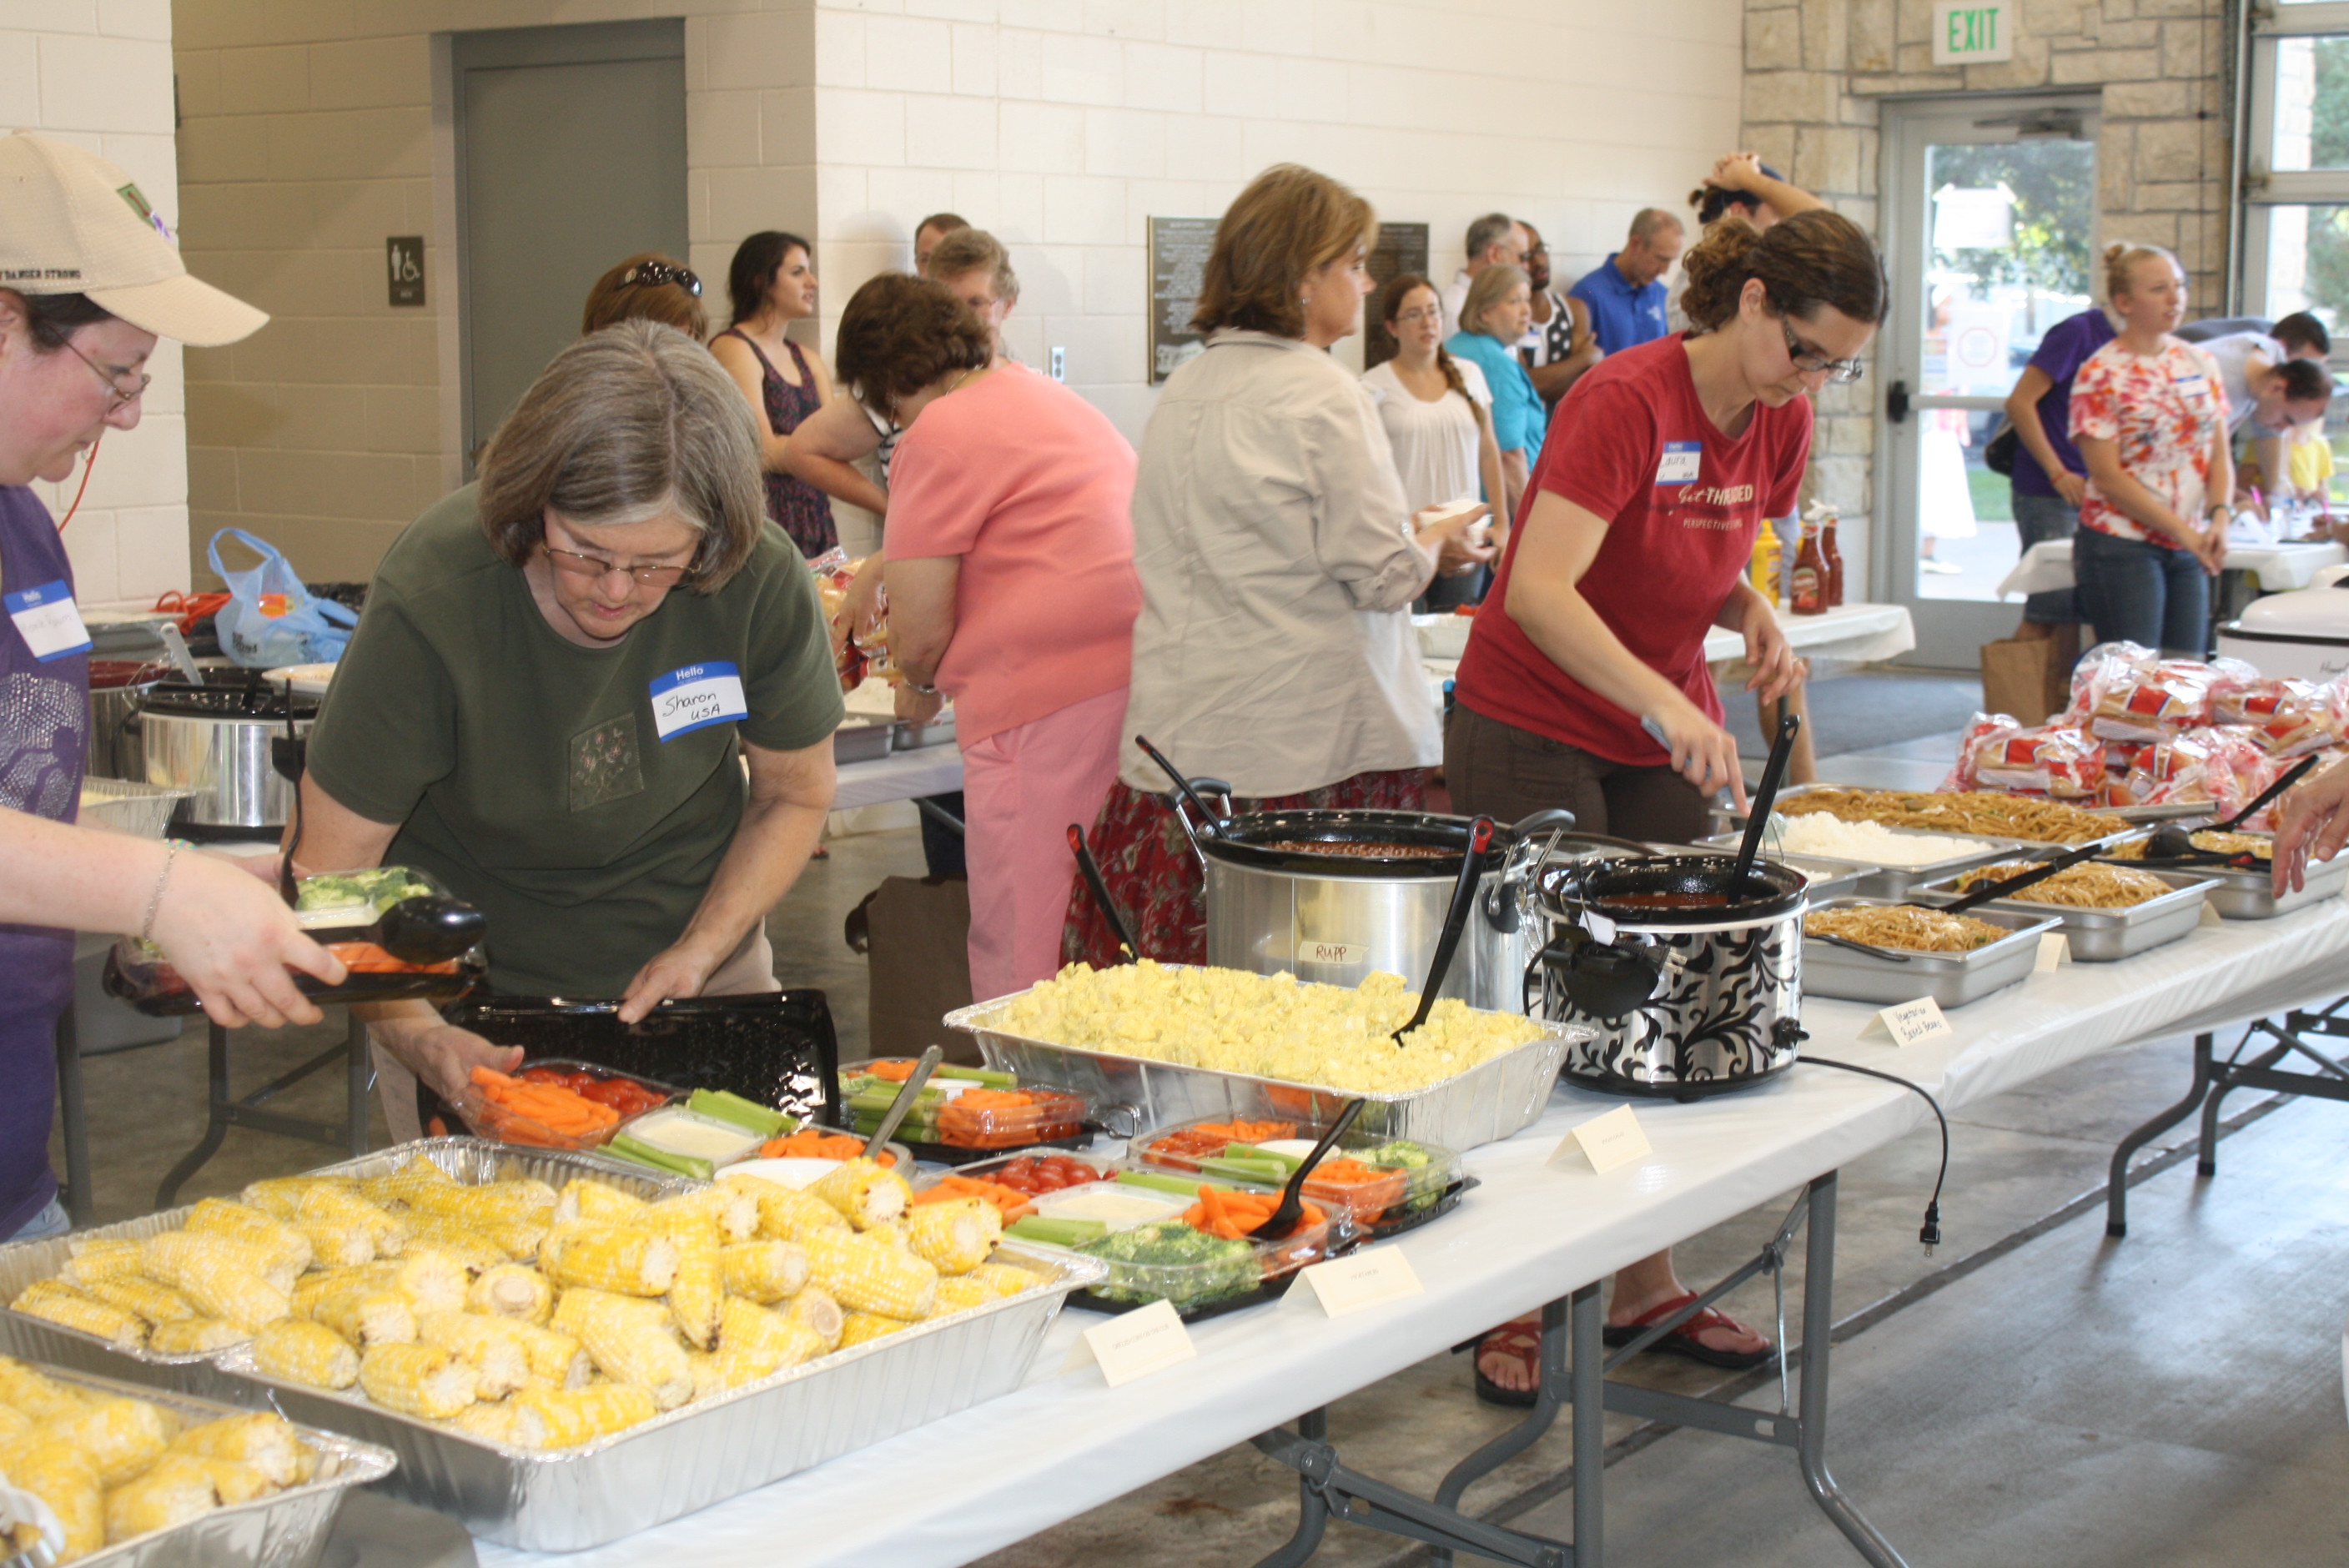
{"x": 2240, "y": 894}
{"x": 287, "y": 1529}
{"x": 2100, "y": 935}
{"x": 469, "y": 1160}
{"x": 1484, "y": 1105}
{"x": 707, "y": 1452}
{"x": 1894, "y": 882}
{"x": 1953, "y": 979}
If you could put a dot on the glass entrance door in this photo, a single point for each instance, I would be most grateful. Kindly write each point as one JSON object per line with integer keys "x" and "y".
{"x": 1990, "y": 230}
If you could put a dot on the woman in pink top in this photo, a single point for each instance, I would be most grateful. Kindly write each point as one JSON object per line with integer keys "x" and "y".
{"x": 1010, "y": 582}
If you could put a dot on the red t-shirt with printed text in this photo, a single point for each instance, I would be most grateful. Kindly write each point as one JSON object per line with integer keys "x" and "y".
{"x": 1631, "y": 443}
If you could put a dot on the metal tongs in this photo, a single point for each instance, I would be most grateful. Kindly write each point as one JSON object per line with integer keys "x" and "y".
{"x": 1972, "y": 898}
{"x": 2173, "y": 843}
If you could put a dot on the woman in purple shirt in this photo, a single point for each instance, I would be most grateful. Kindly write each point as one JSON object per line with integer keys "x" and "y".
{"x": 71, "y": 369}
{"x": 2050, "y": 476}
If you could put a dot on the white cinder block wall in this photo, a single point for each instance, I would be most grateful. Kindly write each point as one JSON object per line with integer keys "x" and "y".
{"x": 99, "y": 73}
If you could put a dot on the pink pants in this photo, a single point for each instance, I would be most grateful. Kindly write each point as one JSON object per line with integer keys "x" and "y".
{"x": 1022, "y": 789}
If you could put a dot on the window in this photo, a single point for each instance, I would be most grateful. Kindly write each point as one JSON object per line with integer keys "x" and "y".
{"x": 2296, "y": 229}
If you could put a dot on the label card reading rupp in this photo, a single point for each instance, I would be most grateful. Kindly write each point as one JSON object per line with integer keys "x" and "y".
{"x": 1911, "y": 1023}
{"x": 48, "y": 621}
{"x": 2055, "y": 948}
{"x": 1136, "y": 1344}
{"x": 1367, "y": 1278}
{"x": 698, "y": 697}
{"x": 1612, "y": 1140}
{"x": 1339, "y": 952}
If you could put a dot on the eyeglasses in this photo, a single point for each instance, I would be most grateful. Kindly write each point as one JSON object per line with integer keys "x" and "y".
{"x": 577, "y": 563}
{"x": 652, "y": 274}
{"x": 1811, "y": 362}
{"x": 114, "y": 379}
{"x": 1431, "y": 313}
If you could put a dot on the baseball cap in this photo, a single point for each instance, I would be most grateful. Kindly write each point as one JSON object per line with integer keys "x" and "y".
{"x": 73, "y": 222}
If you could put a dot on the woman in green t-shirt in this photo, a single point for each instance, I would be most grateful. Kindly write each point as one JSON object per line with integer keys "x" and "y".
{"x": 534, "y": 713}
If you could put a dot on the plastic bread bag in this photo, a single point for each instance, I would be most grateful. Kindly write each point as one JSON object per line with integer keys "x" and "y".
{"x": 2288, "y": 718}
{"x": 2153, "y": 700}
{"x": 2059, "y": 760}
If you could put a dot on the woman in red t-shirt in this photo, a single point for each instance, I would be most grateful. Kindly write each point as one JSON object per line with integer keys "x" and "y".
{"x": 1590, "y": 690}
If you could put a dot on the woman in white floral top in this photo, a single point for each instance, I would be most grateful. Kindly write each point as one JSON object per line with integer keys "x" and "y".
{"x": 2149, "y": 416}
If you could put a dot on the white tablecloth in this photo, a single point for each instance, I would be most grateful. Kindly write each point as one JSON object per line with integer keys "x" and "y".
{"x": 1066, "y": 1442}
{"x": 1842, "y": 639}
{"x": 900, "y": 776}
{"x": 2047, "y": 568}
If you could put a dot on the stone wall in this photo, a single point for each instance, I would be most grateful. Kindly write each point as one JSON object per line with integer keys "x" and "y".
{"x": 1816, "y": 74}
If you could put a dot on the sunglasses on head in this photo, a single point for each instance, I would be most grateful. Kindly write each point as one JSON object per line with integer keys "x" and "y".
{"x": 651, "y": 274}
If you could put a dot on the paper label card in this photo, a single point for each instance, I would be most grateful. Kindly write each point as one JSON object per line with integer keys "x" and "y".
{"x": 2055, "y": 948}
{"x": 1612, "y": 1140}
{"x": 1910, "y": 1023}
{"x": 1136, "y": 1344}
{"x": 1368, "y": 1278}
{"x": 2210, "y": 916}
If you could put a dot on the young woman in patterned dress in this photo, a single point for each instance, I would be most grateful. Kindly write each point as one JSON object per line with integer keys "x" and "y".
{"x": 771, "y": 283}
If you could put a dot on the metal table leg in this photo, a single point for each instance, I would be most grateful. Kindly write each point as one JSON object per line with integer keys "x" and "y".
{"x": 73, "y": 1117}
{"x": 227, "y": 1110}
{"x": 1818, "y": 1331}
{"x": 2116, "y": 1182}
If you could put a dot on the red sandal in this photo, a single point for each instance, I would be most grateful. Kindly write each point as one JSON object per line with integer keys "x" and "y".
{"x": 1683, "y": 1340}
{"x": 1522, "y": 1338}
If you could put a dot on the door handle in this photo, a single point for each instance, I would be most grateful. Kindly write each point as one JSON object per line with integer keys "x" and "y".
{"x": 1896, "y": 402}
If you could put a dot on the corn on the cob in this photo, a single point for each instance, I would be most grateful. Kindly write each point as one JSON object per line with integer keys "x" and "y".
{"x": 281, "y": 1195}
{"x": 37, "y": 1393}
{"x": 54, "y": 1301}
{"x": 865, "y": 1275}
{"x": 158, "y": 1303}
{"x": 866, "y": 1191}
{"x": 567, "y": 1417}
{"x": 59, "y": 1475}
{"x": 890, "y": 1233}
{"x": 265, "y": 1439}
{"x": 708, "y": 1376}
{"x": 629, "y": 1346}
{"x": 303, "y": 1352}
{"x": 615, "y": 1258}
{"x": 234, "y": 1480}
{"x": 100, "y": 1259}
{"x": 754, "y": 1341}
{"x": 819, "y": 1312}
{"x": 786, "y": 1214}
{"x": 512, "y": 1290}
{"x": 956, "y": 1292}
{"x": 555, "y": 1357}
{"x": 694, "y": 1293}
{"x": 956, "y": 1235}
{"x": 500, "y": 1363}
{"x": 194, "y": 1336}
{"x": 161, "y": 1256}
{"x": 585, "y": 1202}
{"x": 489, "y": 1204}
{"x": 13, "y": 1424}
{"x": 176, "y": 1489}
{"x": 570, "y": 1310}
{"x": 502, "y": 1422}
{"x": 336, "y": 1245}
{"x": 221, "y": 1278}
{"x": 418, "y": 1380}
{"x": 120, "y": 1436}
{"x": 1006, "y": 1279}
{"x": 862, "y": 1326}
{"x": 402, "y": 1186}
{"x": 764, "y": 1271}
{"x": 241, "y": 1222}
{"x": 335, "y": 1206}
{"x": 366, "y": 1315}
{"x": 520, "y": 1238}
{"x": 733, "y": 1213}
{"x": 428, "y": 1277}
{"x": 470, "y": 1248}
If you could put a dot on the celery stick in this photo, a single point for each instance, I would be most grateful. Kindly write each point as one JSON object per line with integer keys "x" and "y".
{"x": 1289, "y": 1163}
{"x": 732, "y": 1107}
{"x": 643, "y": 1153}
{"x": 981, "y": 1076}
{"x": 1265, "y": 1169}
{"x": 1057, "y": 1232}
{"x": 1188, "y": 1186}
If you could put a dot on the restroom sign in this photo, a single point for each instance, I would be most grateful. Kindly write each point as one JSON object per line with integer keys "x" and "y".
{"x": 1972, "y": 32}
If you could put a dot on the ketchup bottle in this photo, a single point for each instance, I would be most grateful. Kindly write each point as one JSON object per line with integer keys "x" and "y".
{"x": 1810, "y": 585}
{"x": 1834, "y": 559}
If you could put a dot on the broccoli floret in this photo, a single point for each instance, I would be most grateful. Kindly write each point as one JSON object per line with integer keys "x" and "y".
{"x": 1169, "y": 1259}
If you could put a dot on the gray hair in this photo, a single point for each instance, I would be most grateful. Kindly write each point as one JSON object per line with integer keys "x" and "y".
{"x": 634, "y": 422}
{"x": 1649, "y": 221}
{"x": 1490, "y": 288}
{"x": 1487, "y": 232}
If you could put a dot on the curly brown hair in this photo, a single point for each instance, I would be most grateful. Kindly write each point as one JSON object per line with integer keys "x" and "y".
{"x": 1804, "y": 262}
{"x": 1290, "y": 221}
{"x": 900, "y": 334}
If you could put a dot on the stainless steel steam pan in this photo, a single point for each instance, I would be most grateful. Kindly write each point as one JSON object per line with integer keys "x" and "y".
{"x": 2100, "y": 935}
{"x": 1903, "y": 974}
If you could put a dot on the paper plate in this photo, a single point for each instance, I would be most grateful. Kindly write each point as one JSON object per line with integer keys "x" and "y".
{"x": 309, "y": 679}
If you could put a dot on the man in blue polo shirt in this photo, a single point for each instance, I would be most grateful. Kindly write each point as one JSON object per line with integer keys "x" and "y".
{"x": 1626, "y": 292}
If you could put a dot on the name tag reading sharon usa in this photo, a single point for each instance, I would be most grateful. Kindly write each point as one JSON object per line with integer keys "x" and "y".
{"x": 1680, "y": 463}
{"x": 695, "y": 698}
{"x": 48, "y": 621}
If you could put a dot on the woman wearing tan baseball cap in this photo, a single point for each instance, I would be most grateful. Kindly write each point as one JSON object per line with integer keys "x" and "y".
{"x": 89, "y": 280}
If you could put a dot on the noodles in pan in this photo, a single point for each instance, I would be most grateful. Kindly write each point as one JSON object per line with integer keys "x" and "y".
{"x": 1904, "y": 925}
{"x": 2088, "y": 886}
{"x": 2217, "y": 843}
{"x": 2000, "y": 816}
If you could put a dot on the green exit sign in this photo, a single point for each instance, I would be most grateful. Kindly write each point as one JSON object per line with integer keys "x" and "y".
{"x": 1972, "y": 32}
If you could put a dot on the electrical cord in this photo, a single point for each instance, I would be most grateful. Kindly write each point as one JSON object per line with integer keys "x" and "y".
{"x": 88, "y": 466}
{"x": 1930, "y": 1233}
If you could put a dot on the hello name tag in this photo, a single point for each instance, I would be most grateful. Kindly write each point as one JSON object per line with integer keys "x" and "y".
{"x": 1133, "y": 1344}
{"x": 1362, "y": 1279}
{"x": 1612, "y": 1140}
{"x": 1910, "y": 1023}
{"x": 1679, "y": 464}
{"x": 695, "y": 698}
{"x": 48, "y": 621}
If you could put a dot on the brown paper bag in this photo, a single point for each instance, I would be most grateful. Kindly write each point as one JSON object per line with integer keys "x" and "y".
{"x": 920, "y": 967}
{"x": 2018, "y": 680}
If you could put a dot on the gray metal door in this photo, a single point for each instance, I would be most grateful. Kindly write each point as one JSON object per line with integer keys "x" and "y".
{"x": 570, "y": 155}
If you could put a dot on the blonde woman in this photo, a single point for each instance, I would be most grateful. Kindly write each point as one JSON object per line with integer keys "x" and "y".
{"x": 1498, "y": 310}
{"x": 1438, "y": 414}
{"x": 1277, "y": 558}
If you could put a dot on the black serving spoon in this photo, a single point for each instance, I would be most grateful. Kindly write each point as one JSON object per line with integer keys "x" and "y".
{"x": 1757, "y": 817}
{"x": 428, "y": 929}
{"x": 1464, "y": 897}
{"x": 1208, "y": 819}
{"x": 1283, "y": 1221}
{"x": 2172, "y": 843}
{"x": 1110, "y": 911}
